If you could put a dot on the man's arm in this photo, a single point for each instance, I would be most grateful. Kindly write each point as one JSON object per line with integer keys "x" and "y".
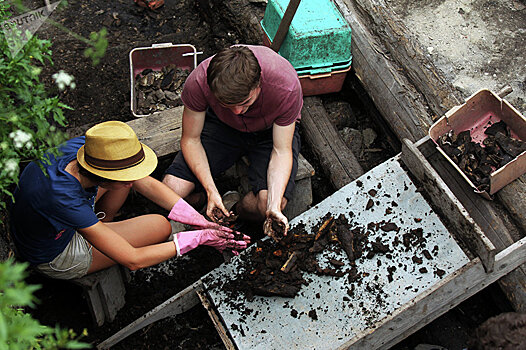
{"x": 279, "y": 169}
{"x": 195, "y": 156}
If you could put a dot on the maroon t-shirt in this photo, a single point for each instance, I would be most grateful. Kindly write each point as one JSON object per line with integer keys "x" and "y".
{"x": 279, "y": 101}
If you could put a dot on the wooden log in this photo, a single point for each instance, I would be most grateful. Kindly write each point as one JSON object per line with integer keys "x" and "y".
{"x": 513, "y": 197}
{"x": 337, "y": 160}
{"x": 439, "y": 94}
{"x": 395, "y": 97}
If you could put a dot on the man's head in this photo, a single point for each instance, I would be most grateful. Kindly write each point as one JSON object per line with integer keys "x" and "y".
{"x": 233, "y": 76}
{"x": 112, "y": 151}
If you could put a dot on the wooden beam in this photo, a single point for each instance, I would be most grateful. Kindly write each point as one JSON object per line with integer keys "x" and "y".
{"x": 439, "y": 299}
{"x": 448, "y": 206}
{"x": 395, "y": 97}
{"x": 179, "y": 303}
{"x": 337, "y": 160}
{"x": 513, "y": 197}
{"x": 160, "y": 131}
{"x": 439, "y": 94}
{"x": 488, "y": 215}
{"x": 218, "y": 322}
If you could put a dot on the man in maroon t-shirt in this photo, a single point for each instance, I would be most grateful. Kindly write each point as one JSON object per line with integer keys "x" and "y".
{"x": 245, "y": 100}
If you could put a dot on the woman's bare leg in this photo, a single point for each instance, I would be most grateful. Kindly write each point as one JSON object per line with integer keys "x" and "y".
{"x": 140, "y": 231}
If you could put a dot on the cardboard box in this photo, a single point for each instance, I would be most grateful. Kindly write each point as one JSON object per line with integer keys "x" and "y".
{"x": 156, "y": 57}
{"x": 478, "y": 112}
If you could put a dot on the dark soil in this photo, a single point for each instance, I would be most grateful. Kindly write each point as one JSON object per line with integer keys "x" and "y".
{"x": 479, "y": 160}
{"x": 103, "y": 93}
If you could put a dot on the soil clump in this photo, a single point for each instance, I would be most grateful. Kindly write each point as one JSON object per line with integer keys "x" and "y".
{"x": 478, "y": 160}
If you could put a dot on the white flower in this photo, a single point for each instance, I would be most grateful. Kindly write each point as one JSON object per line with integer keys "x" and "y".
{"x": 11, "y": 167}
{"x": 21, "y": 138}
{"x": 63, "y": 79}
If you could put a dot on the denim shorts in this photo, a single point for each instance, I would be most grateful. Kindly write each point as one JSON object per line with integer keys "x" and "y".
{"x": 225, "y": 145}
{"x": 74, "y": 261}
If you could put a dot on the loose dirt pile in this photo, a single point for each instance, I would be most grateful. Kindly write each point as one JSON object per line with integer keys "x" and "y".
{"x": 477, "y": 160}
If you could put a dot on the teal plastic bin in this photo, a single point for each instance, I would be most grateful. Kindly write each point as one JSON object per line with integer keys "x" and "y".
{"x": 318, "y": 36}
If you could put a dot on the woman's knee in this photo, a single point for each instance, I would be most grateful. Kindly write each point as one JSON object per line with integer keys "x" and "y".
{"x": 160, "y": 222}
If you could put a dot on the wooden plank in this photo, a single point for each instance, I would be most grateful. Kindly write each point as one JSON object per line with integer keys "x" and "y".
{"x": 488, "y": 216}
{"x": 449, "y": 206}
{"x": 339, "y": 163}
{"x": 160, "y": 131}
{"x": 179, "y": 303}
{"x": 229, "y": 344}
{"x": 444, "y": 296}
{"x": 394, "y": 96}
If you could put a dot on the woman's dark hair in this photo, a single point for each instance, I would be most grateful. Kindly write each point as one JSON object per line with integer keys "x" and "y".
{"x": 232, "y": 74}
{"x": 92, "y": 177}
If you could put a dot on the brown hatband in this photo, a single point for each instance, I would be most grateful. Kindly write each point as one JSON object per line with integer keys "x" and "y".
{"x": 120, "y": 164}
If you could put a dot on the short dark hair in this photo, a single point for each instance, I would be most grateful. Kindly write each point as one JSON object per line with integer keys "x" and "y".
{"x": 232, "y": 74}
{"x": 92, "y": 177}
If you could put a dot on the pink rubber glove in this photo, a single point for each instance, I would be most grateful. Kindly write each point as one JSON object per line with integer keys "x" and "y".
{"x": 220, "y": 240}
{"x": 186, "y": 214}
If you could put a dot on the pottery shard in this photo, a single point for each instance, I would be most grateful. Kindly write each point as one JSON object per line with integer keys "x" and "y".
{"x": 159, "y": 94}
{"x": 171, "y": 96}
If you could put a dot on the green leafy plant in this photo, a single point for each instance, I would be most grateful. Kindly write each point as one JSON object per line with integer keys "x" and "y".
{"x": 29, "y": 116}
{"x": 18, "y": 329}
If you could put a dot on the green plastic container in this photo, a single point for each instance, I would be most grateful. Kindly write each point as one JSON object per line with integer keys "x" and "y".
{"x": 318, "y": 36}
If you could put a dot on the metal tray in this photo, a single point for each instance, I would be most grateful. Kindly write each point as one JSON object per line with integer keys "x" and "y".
{"x": 475, "y": 115}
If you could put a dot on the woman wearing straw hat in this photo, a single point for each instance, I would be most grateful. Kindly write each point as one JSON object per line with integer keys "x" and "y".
{"x": 61, "y": 220}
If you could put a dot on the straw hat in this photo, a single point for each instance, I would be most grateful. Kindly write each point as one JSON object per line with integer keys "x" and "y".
{"x": 113, "y": 151}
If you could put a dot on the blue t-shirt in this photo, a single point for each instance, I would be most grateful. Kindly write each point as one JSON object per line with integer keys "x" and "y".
{"x": 49, "y": 208}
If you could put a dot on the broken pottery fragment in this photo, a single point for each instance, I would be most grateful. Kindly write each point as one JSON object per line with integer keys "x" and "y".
{"x": 159, "y": 90}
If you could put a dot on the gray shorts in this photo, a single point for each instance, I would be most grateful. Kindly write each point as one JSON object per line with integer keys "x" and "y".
{"x": 73, "y": 262}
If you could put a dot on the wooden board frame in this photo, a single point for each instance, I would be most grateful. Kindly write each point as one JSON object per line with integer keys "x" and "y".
{"x": 462, "y": 225}
{"x": 491, "y": 217}
{"x": 447, "y": 294}
{"x": 216, "y": 319}
{"x": 179, "y": 303}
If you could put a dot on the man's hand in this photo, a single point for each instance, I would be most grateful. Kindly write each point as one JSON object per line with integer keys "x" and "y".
{"x": 215, "y": 208}
{"x": 186, "y": 214}
{"x": 276, "y": 225}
